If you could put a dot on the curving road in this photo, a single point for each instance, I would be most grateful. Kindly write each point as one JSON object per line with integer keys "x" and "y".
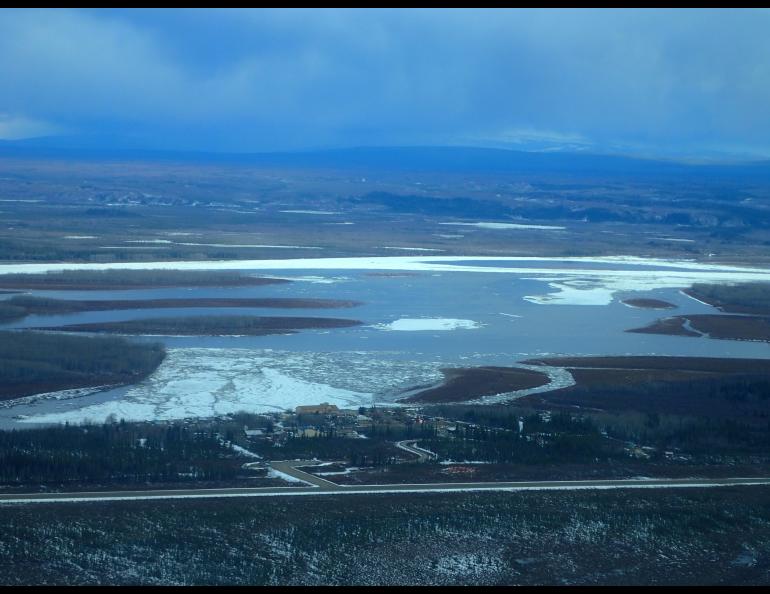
{"x": 410, "y": 445}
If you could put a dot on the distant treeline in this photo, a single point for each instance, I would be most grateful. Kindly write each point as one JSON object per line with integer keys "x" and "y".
{"x": 742, "y": 298}
{"x": 33, "y": 362}
{"x": 134, "y": 279}
{"x": 115, "y": 453}
{"x": 210, "y": 325}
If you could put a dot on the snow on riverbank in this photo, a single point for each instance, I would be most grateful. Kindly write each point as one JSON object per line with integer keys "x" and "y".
{"x": 418, "y": 324}
{"x": 420, "y": 263}
{"x": 558, "y": 377}
{"x": 58, "y": 395}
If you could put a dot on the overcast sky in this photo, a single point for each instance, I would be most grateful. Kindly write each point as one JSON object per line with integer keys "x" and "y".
{"x": 653, "y": 81}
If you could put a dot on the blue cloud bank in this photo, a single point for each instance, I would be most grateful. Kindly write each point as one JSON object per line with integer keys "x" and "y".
{"x": 662, "y": 81}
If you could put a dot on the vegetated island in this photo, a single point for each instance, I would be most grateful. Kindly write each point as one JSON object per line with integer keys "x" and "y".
{"x": 718, "y": 388}
{"x": 32, "y": 362}
{"x": 462, "y": 384}
{"x": 725, "y": 327}
{"x": 209, "y": 326}
{"x": 748, "y": 302}
{"x": 645, "y": 303}
{"x": 743, "y": 298}
{"x": 108, "y": 280}
{"x": 23, "y": 305}
{"x": 9, "y": 312}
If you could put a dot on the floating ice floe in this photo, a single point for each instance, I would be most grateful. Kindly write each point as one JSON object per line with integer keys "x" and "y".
{"x": 203, "y": 383}
{"x": 417, "y": 324}
{"x": 574, "y": 293}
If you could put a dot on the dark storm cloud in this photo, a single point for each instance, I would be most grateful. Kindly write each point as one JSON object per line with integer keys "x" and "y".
{"x": 275, "y": 79}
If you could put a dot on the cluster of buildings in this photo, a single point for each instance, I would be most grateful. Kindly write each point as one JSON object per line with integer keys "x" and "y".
{"x": 328, "y": 420}
{"x": 309, "y": 421}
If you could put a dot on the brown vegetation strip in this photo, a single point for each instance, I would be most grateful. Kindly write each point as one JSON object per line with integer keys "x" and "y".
{"x": 728, "y": 327}
{"x": 748, "y": 298}
{"x": 50, "y": 282}
{"x": 708, "y": 364}
{"x": 649, "y": 303}
{"x": 209, "y": 325}
{"x": 471, "y": 383}
{"x": 720, "y": 388}
{"x": 673, "y": 326}
{"x": 49, "y": 306}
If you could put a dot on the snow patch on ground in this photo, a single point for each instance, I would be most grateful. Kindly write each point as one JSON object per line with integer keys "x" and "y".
{"x": 149, "y": 241}
{"x": 311, "y": 212}
{"x": 483, "y": 225}
{"x": 277, "y": 474}
{"x": 412, "y": 249}
{"x": 243, "y": 451}
{"x": 131, "y": 247}
{"x": 252, "y": 245}
{"x": 418, "y": 324}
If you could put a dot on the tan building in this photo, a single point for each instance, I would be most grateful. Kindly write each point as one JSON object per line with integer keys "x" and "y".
{"x": 309, "y": 432}
{"x": 317, "y": 409}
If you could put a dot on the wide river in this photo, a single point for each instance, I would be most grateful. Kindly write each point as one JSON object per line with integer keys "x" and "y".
{"x": 417, "y": 318}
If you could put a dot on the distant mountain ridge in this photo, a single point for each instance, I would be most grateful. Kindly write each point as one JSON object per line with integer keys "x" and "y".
{"x": 419, "y": 158}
